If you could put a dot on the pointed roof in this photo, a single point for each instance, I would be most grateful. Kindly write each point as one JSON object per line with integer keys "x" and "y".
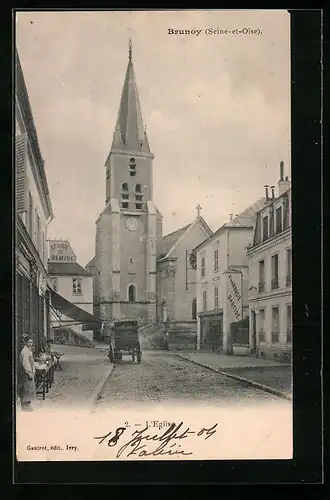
{"x": 247, "y": 218}
{"x": 170, "y": 241}
{"x": 67, "y": 269}
{"x": 130, "y": 133}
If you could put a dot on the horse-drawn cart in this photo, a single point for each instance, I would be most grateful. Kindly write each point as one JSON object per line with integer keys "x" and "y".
{"x": 124, "y": 340}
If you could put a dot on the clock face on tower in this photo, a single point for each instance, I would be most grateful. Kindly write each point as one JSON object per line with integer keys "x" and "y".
{"x": 131, "y": 224}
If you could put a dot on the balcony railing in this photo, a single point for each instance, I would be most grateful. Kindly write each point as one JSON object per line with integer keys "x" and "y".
{"x": 275, "y": 337}
{"x": 261, "y": 286}
{"x": 288, "y": 280}
{"x": 289, "y": 336}
{"x": 274, "y": 283}
{"x": 261, "y": 336}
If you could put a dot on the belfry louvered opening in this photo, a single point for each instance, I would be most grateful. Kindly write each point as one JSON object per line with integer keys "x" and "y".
{"x": 138, "y": 197}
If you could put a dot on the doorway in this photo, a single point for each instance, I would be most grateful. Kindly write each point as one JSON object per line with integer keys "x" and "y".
{"x": 194, "y": 309}
{"x": 254, "y": 332}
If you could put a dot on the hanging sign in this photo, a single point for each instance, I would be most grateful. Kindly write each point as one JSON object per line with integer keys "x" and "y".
{"x": 234, "y": 296}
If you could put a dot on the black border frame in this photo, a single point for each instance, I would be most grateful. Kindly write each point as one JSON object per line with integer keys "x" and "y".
{"x": 307, "y": 464}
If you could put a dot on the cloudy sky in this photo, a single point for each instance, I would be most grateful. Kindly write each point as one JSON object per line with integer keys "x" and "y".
{"x": 217, "y": 108}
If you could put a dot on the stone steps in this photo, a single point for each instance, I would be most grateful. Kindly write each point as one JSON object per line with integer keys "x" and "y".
{"x": 182, "y": 336}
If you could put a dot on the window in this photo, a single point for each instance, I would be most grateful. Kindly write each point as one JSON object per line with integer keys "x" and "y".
{"x": 204, "y": 300}
{"x": 216, "y": 260}
{"x": 275, "y": 325}
{"x": 54, "y": 283}
{"x": 76, "y": 286}
{"x": 288, "y": 266}
{"x": 261, "y": 325}
{"x": 279, "y": 220}
{"x": 131, "y": 293}
{"x": 274, "y": 272}
{"x": 289, "y": 323}
{"x": 138, "y": 196}
{"x": 261, "y": 285}
{"x": 124, "y": 187}
{"x": 124, "y": 204}
{"x": 216, "y": 297}
{"x": 265, "y": 228}
{"x": 202, "y": 267}
{"x": 125, "y": 196}
{"x": 132, "y": 166}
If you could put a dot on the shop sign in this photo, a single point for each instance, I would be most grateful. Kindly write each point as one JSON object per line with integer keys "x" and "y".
{"x": 234, "y": 296}
{"x": 61, "y": 251}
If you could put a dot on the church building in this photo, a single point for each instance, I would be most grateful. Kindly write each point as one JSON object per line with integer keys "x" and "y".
{"x": 138, "y": 274}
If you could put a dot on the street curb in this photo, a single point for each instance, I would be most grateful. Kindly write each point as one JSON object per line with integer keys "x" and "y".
{"x": 96, "y": 393}
{"x": 262, "y": 387}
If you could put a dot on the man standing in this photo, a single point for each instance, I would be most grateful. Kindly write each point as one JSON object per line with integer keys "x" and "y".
{"x": 26, "y": 385}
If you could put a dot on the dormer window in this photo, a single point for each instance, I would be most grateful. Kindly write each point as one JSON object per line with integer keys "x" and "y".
{"x": 279, "y": 220}
{"x": 132, "y": 166}
{"x": 265, "y": 230}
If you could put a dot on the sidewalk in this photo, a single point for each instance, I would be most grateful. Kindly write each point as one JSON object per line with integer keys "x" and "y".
{"x": 265, "y": 374}
{"x": 83, "y": 370}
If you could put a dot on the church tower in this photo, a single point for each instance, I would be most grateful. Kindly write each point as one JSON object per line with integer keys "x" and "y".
{"x": 129, "y": 230}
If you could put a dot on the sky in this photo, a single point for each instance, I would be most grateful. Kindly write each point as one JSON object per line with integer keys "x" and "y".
{"x": 216, "y": 108}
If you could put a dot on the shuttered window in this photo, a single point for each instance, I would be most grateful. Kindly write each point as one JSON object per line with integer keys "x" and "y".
{"x": 20, "y": 164}
{"x": 30, "y": 216}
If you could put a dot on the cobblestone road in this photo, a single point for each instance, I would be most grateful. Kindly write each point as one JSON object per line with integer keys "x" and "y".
{"x": 163, "y": 377}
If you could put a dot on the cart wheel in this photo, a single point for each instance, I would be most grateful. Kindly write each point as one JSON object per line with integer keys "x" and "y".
{"x": 138, "y": 357}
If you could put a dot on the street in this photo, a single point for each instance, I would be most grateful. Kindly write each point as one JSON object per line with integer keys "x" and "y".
{"x": 163, "y": 377}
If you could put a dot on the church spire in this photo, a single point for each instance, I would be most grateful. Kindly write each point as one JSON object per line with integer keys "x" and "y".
{"x": 130, "y": 50}
{"x": 130, "y": 133}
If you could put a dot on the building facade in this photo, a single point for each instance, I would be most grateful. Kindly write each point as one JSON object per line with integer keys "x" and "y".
{"x": 129, "y": 230}
{"x": 222, "y": 283}
{"x": 71, "y": 281}
{"x": 33, "y": 214}
{"x": 270, "y": 294}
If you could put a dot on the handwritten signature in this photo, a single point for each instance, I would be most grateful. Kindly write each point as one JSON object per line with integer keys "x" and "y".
{"x": 167, "y": 443}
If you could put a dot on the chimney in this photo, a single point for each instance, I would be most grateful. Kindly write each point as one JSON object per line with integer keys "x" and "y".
{"x": 273, "y": 191}
{"x": 283, "y": 184}
{"x": 231, "y": 216}
{"x": 266, "y": 192}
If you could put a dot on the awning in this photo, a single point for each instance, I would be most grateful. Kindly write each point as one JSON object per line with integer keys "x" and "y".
{"x": 72, "y": 311}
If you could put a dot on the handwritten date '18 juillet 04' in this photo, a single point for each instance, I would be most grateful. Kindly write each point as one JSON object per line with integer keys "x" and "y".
{"x": 166, "y": 441}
